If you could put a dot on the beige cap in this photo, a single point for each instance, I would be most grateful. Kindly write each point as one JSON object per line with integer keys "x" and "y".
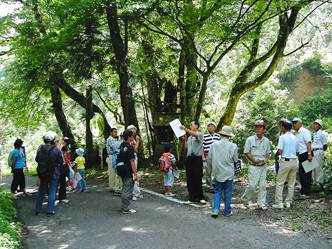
{"x": 227, "y": 131}
{"x": 211, "y": 123}
{"x": 296, "y": 120}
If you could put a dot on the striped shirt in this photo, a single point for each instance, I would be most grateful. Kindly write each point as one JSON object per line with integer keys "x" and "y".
{"x": 208, "y": 140}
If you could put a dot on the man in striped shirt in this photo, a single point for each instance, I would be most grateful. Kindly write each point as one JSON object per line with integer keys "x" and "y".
{"x": 208, "y": 140}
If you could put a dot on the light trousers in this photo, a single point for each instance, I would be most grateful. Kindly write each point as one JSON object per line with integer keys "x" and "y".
{"x": 257, "y": 181}
{"x": 318, "y": 173}
{"x": 287, "y": 172}
{"x": 114, "y": 181}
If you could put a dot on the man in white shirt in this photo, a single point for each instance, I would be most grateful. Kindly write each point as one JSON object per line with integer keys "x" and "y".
{"x": 287, "y": 149}
{"x": 257, "y": 149}
{"x": 305, "y": 153}
{"x": 319, "y": 145}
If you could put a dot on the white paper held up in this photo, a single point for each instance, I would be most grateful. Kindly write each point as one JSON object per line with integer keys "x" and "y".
{"x": 310, "y": 165}
{"x": 175, "y": 125}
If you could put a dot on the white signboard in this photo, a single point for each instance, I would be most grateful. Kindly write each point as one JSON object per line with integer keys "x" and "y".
{"x": 310, "y": 165}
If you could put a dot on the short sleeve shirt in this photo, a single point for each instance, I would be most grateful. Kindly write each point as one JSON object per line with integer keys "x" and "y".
{"x": 258, "y": 148}
{"x": 288, "y": 143}
{"x": 304, "y": 136}
{"x": 20, "y": 160}
{"x": 319, "y": 139}
{"x": 80, "y": 161}
{"x": 195, "y": 145}
{"x": 126, "y": 155}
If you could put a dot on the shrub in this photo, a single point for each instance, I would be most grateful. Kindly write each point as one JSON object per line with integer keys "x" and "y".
{"x": 9, "y": 229}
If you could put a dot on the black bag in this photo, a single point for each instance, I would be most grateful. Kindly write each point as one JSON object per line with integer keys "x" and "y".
{"x": 46, "y": 164}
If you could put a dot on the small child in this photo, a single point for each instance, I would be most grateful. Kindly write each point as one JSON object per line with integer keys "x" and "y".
{"x": 170, "y": 161}
{"x": 80, "y": 168}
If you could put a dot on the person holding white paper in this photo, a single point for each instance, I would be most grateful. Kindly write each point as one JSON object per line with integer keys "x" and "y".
{"x": 305, "y": 153}
{"x": 194, "y": 163}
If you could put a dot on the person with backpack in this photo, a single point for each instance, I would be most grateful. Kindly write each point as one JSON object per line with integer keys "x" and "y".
{"x": 126, "y": 169}
{"x": 49, "y": 159}
{"x": 167, "y": 162}
{"x": 17, "y": 162}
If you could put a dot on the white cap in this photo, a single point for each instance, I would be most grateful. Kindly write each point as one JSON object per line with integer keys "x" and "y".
{"x": 49, "y": 136}
{"x": 131, "y": 127}
{"x": 212, "y": 123}
{"x": 296, "y": 120}
{"x": 260, "y": 123}
{"x": 319, "y": 121}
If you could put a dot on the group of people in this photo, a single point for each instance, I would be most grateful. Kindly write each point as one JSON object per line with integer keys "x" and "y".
{"x": 213, "y": 151}
{"x": 296, "y": 145}
{"x": 54, "y": 168}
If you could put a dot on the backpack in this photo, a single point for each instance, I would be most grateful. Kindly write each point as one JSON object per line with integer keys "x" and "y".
{"x": 164, "y": 162}
{"x": 10, "y": 162}
{"x": 46, "y": 164}
{"x": 122, "y": 165}
{"x": 115, "y": 158}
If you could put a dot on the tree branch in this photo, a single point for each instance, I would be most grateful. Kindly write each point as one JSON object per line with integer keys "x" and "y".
{"x": 298, "y": 48}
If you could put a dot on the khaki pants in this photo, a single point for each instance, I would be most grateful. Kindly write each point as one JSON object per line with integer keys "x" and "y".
{"x": 257, "y": 179}
{"x": 136, "y": 190}
{"x": 114, "y": 181}
{"x": 317, "y": 173}
{"x": 287, "y": 172}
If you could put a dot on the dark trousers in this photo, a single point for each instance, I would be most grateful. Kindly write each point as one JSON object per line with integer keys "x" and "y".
{"x": 194, "y": 173}
{"x": 18, "y": 180}
{"x": 62, "y": 183}
{"x": 305, "y": 178}
{"x": 127, "y": 192}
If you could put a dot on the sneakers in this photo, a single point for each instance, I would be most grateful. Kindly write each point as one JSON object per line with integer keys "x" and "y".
{"x": 287, "y": 204}
{"x": 129, "y": 211}
{"x": 214, "y": 214}
{"x": 229, "y": 214}
{"x": 64, "y": 201}
{"x": 203, "y": 202}
{"x": 278, "y": 206}
{"x": 49, "y": 214}
{"x": 263, "y": 207}
{"x": 134, "y": 198}
{"x": 169, "y": 194}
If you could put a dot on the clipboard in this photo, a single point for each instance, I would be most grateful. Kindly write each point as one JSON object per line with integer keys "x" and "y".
{"x": 310, "y": 165}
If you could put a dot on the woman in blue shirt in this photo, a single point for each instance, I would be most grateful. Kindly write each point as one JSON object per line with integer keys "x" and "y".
{"x": 18, "y": 164}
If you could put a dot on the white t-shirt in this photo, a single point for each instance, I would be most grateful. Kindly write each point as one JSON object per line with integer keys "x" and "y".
{"x": 288, "y": 143}
{"x": 319, "y": 139}
{"x": 304, "y": 136}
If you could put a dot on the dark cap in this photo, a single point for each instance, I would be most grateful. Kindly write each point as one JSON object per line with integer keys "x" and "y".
{"x": 128, "y": 133}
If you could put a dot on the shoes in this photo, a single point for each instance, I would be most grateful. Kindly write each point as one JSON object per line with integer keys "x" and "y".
{"x": 169, "y": 194}
{"x": 214, "y": 214}
{"x": 287, "y": 204}
{"x": 278, "y": 206}
{"x": 129, "y": 211}
{"x": 229, "y": 214}
{"x": 263, "y": 207}
{"x": 304, "y": 197}
{"x": 64, "y": 201}
{"x": 49, "y": 214}
{"x": 134, "y": 198}
{"x": 203, "y": 202}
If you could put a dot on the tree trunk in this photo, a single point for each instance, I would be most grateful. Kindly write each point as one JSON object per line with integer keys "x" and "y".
{"x": 59, "y": 113}
{"x": 88, "y": 134}
{"x": 120, "y": 51}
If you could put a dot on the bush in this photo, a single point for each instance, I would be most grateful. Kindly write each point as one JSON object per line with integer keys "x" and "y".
{"x": 9, "y": 230}
{"x": 327, "y": 185}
